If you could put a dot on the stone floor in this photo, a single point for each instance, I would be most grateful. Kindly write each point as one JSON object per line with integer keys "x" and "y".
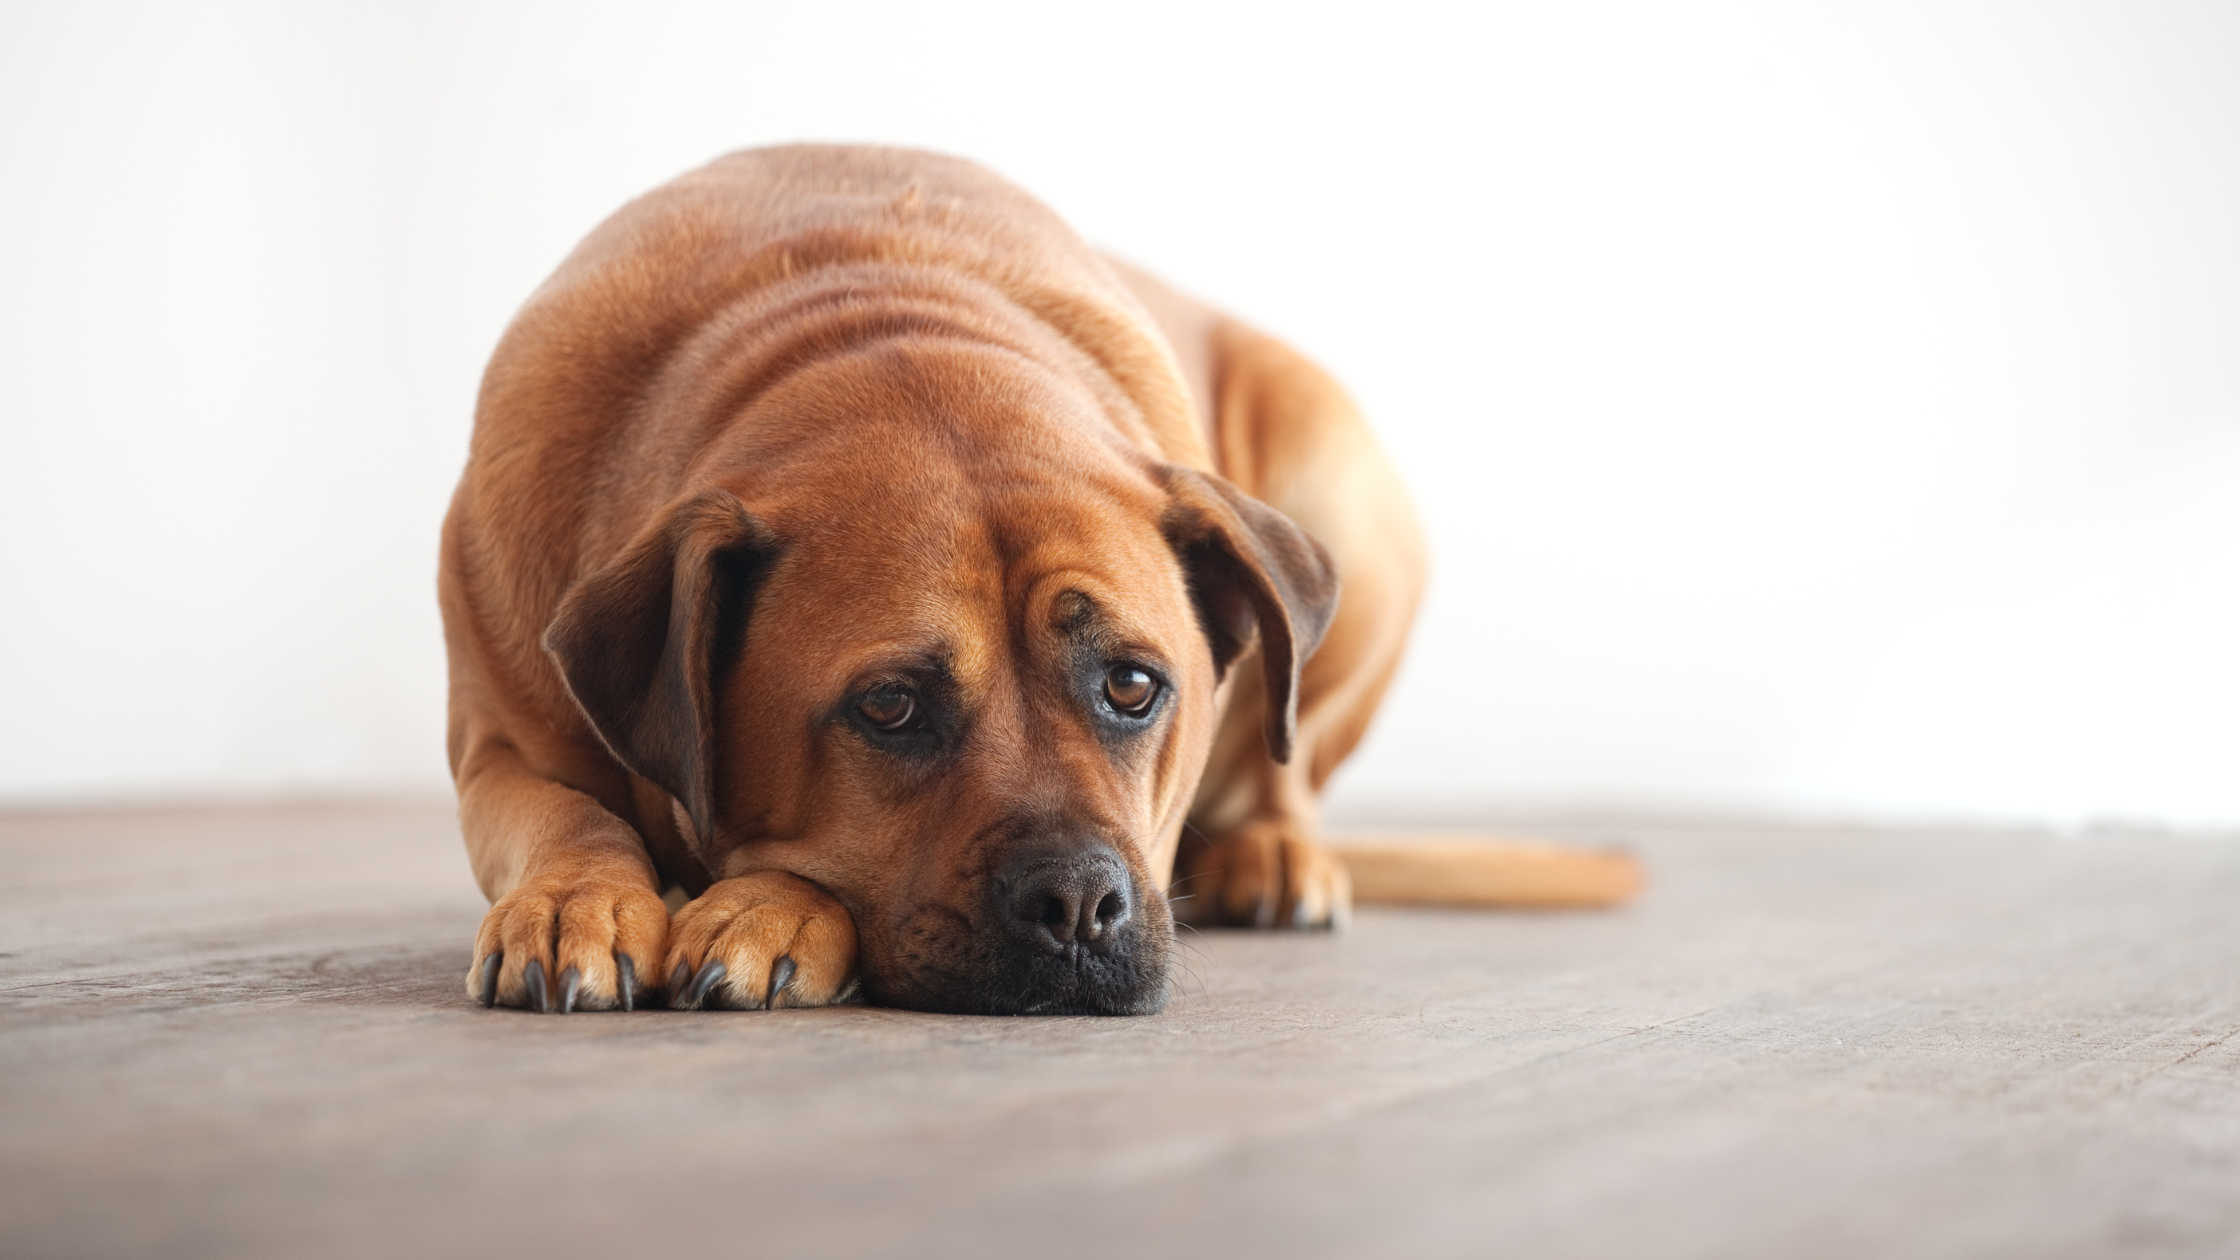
{"x": 241, "y": 1033}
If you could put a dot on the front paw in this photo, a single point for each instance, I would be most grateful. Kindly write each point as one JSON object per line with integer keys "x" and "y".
{"x": 761, "y": 941}
{"x": 1264, "y": 875}
{"x": 570, "y": 943}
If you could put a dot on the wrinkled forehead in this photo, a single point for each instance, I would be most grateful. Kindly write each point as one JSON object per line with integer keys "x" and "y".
{"x": 968, "y": 571}
{"x": 957, "y": 498}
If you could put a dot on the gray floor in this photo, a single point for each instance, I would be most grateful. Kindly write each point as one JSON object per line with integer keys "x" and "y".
{"x": 241, "y": 1033}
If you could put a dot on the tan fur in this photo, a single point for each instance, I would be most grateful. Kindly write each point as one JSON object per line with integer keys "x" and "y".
{"x": 1477, "y": 871}
{"x": 813, "y": 420}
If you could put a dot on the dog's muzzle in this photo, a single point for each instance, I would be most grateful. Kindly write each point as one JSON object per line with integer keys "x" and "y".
{"x": 1064, "y": 931}
{"x": 1057, "y": 927}
{"x": 1073, "y": 938}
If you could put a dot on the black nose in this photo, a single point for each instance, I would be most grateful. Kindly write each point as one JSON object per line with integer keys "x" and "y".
{"x": 1059, "y": 900}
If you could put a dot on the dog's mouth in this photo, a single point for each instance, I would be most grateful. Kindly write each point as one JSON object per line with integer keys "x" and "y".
{"x": 940, "y": 960}
{"x": 1079, "y": 986}
{"x": 1052, "y": 987}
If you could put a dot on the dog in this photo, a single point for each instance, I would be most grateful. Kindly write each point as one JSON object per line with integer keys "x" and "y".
{"x": 854, "y": 562}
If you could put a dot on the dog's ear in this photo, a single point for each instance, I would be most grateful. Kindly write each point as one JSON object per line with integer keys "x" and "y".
{"x": 637, "y": 642}
{"x": 1248, "y": 565}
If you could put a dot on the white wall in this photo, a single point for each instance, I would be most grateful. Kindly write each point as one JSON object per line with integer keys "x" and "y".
{"x": 1815, "y": 407}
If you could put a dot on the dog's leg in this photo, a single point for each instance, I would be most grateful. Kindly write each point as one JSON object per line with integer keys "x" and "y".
{"x": 1287, "y": 434}
{"x": 576, "y": 921}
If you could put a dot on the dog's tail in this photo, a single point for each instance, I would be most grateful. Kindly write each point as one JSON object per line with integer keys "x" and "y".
{"x": 1453, "y": 870}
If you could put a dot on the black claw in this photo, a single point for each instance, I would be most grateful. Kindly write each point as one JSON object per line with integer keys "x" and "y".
{"x": 676, "y": 986}
{"x": 1300, "y": 919}
{"x": 625, "y": 980}
{"x": 534, "y": 974}
{"x": 1264, "y": 913}
{"x": 490, "y": 978}
{"x": 570, "y": 981}
{"x": 710, "y": 972}
{"x": 781, "y": 974}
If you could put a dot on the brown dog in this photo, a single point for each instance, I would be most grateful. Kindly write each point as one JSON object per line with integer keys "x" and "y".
{"x": 848, "y": 545}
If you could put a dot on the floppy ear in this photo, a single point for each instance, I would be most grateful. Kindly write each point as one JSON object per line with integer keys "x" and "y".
{"x": 637, "y": 642}
{"x": 1248, "y": 566}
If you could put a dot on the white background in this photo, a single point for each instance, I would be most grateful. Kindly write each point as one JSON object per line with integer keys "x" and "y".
{"x": 1815, "y": 408}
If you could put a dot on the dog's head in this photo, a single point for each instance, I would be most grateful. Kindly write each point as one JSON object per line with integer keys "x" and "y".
{"x": 951, "y": 652}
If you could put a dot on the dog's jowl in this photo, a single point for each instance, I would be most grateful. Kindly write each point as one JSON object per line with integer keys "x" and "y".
{"x": 917, "y": 597}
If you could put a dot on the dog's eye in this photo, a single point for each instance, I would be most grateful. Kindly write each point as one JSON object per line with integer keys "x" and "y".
{"x": 1130, "y": 690}
{"x": 889, "y": 708}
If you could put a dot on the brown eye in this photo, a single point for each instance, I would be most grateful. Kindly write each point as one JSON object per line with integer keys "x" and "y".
{"x": 1130, "y": 690}
{"x": 889, "y": 708}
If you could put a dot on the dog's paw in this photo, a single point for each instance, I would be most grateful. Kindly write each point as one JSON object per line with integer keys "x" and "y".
{"x": 574, "y": 943}
{"x": 761, "y": 941}
{"x": 1264, "y": 875}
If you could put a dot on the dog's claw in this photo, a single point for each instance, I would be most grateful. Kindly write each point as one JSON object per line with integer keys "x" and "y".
{"x": 570, "y": 981}
{"x": 710, "y": 972}
{"x": 1264, "y": 914}
{"x": 625, "y": 980}
{"x": 534, "y": 976}
{"x": 676, "y": 986}
{"x": 490, "y": 979}
{"x": 1301, "y": 917}
{"x": 781, "y": 974}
